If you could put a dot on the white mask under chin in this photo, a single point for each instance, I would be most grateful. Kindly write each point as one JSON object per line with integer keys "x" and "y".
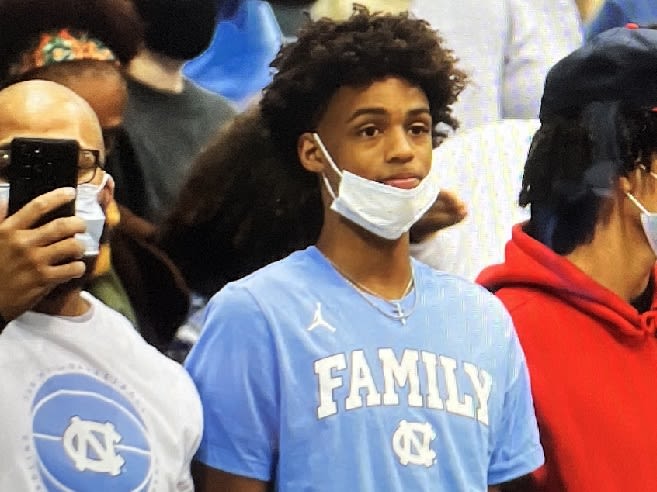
{"x": 88, "y": 208}
{"x": 383, "y": 210}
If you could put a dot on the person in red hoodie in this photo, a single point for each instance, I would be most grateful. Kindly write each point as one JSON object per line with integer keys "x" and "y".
{"x": 578, "y": 277}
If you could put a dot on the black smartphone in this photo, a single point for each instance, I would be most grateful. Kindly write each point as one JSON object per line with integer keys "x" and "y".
{"x": 39, "y": 165}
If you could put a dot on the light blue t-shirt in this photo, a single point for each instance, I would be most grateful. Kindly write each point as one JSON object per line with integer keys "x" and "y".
{"x": 305, "y": 383}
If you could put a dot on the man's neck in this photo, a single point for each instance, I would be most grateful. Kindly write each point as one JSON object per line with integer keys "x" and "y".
{"x": 617, "y": 258}
{"x": 68, "y": 303}
{"x": 157, "y": 71}
{"x": 379, "y": 265}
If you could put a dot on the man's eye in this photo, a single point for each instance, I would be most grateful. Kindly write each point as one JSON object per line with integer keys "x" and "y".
{"x": 369, "y": 131}
{"x": 419, "y": 129}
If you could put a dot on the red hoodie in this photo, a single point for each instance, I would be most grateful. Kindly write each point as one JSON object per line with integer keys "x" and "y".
{"x": 592, "y": 359}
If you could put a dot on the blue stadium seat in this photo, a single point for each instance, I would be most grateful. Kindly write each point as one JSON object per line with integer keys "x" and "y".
{"x": 236, "y": 64}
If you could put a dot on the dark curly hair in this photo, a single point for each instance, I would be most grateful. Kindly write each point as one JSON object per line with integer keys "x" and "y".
{"x": 237, "y": 210}
{"x": 115, "y": 22}
{"x": 564, "y": 210}
{"x": 248, "y": 200}
{"x": 365, "y": 48}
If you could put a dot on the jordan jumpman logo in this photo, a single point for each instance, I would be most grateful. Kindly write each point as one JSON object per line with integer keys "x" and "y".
{"x": 318, "y": 321}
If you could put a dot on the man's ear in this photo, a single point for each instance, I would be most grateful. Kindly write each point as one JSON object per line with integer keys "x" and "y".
{"x": 310, "y": 154}
{"x": 106, "y": 195}
{"x": 625, "y": 185}
{"x": 630, "y": 182}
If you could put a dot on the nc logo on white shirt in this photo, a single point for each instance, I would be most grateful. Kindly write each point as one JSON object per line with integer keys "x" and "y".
{"x": 90, "y": 445}
{"x": 89, "y": 435}
{"x": 318, "y": 321}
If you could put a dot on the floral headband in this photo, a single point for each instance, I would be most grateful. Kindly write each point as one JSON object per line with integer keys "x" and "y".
{"x": 62, "y": 46}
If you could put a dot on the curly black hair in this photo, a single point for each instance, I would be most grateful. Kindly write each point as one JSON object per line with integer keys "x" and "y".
{"x": 248, "y": 200}
{"x": 115, "y": 22}
{"x": 564, "y": 210}
{"x": 366, "y": 47}
{"x": 237, "y": 210}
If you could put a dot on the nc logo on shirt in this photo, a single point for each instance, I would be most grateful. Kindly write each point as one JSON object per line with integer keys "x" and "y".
{"x": 411, "y": 443}
{"x": 88, "y": 436}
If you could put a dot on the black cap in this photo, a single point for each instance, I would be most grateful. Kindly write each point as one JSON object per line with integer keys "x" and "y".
{"x": 617, "y": 65}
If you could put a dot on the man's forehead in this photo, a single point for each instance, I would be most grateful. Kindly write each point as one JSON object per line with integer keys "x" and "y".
{"x": 47, "y": 112}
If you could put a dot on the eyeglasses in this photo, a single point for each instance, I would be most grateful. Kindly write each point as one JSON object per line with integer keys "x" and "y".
{"x": 88, "y": 162}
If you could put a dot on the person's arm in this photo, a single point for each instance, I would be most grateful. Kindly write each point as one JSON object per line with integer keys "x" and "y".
{"x": 447, "y": 210}
{"x": 234, "y": 367}
{"x": 516, "y": 449}
{"x": 34, "y": 261}
{"x": 207, "y": 479}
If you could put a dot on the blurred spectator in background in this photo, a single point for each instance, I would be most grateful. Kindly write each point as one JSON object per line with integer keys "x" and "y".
{"x": 506, "y": 47}
{"x": 484, "y": 166}
{"x": 168, "y": 118}
{"x": 617, "y": 13}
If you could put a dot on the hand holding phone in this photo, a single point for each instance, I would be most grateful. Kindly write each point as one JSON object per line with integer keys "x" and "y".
{"x": 37, "y": 166}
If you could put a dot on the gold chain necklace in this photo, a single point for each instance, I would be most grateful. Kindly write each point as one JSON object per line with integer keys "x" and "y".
{"x": 399, "y": 314}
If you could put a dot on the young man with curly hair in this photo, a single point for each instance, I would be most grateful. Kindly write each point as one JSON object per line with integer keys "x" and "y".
{"x": 348, "y": 365}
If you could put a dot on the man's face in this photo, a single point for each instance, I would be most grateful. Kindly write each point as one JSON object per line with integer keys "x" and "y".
{"x": 46, "y": 110}
{"x": 63, "y": 119}
{"x": 381, "y": 132}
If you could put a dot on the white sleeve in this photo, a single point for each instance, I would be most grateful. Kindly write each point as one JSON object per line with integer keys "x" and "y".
{"x": 541, "y": 32}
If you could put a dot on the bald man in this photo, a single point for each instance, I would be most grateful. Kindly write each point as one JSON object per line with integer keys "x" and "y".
{"x": 33, "y": 261}
{"x": 88, "y": 405}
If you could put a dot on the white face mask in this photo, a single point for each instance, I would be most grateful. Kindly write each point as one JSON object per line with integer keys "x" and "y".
{"x": 88, "y": 208}
{"x": 4, "y": 193}
{"x": 648, "y": 219}
{"x": 383, "y": 210}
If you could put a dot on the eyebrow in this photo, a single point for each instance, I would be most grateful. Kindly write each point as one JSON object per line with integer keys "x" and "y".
{"x": 383, "y": 112}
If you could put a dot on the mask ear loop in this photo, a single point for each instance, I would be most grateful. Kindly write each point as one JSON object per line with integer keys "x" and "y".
{"x": 328, "y": 157}
{"x": 633, "y": 198}
{"x": 637, "y": 203}
{"x": 653, "y": 174}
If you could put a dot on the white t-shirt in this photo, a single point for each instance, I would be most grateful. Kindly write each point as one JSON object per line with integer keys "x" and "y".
{"x": 506, "y": 47}
{"x": 87, "y": 405}
{"x": 484, "y": 166}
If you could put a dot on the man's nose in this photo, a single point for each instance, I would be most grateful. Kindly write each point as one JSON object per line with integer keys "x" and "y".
{"x": 398, "y": 146}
